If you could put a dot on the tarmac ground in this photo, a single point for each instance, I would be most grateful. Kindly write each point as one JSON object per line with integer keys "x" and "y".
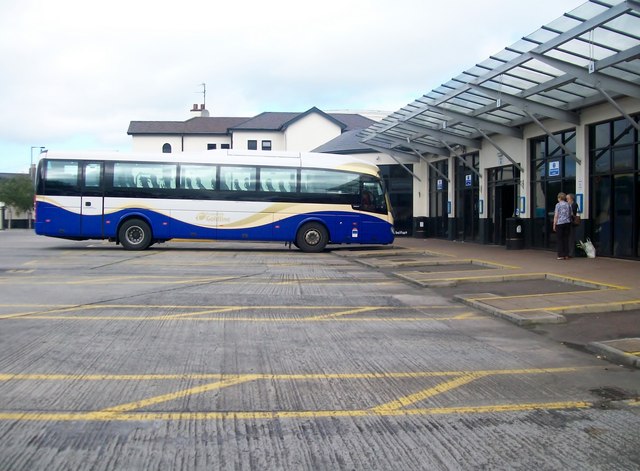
{"x": 589, "y": 304}
{"x": 424, "y": 354}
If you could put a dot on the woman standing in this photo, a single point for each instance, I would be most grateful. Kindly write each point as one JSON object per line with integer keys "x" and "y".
{"x": 562, "y": 225}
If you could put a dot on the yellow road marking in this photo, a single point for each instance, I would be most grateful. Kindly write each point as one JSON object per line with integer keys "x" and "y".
{"x": 442, "y": 263}
{"x": 250, "y": 319}
{"x": 576, "y": 306}
{"x": 132, "y": 279}
{"x": 427, "y": 393}
{"x": 494, "y": 264}
{"x": 193, "y": 306}
{"x": 178, "y": 394}
{"x": 531, "y": 276}
{"x": 126, "y": 411}
{"x": 203, "y": 310}
{"x": 465, "y": 315}
{"x": 537, "y": 295}
{"x": 230, "y": 280}
{"x": 271, "y": 415}
{"x": 48, "y": 311}
{"x": 140, "y": 280}
{"x": 335, "y": 315}
{"x": 285, "y": 377}
{"x": 584, "y": 280}
{"x": 197, "y": 313}
{"x": 438, "y": 272}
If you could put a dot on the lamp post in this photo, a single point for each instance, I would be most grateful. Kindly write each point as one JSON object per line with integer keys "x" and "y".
{"x": 35, "y": 147}
{"x": 32, "y": 174}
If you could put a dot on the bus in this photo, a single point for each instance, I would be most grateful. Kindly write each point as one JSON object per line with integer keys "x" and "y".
{"x": 136, "y": 200}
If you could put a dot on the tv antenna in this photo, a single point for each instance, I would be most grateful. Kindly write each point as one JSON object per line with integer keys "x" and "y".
{"x": 204, "y": 95}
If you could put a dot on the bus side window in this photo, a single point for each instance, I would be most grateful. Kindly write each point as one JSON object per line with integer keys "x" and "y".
{"x": 93, "y": 175}
{"x": 61, "y": 178}
{"x": 238, "y": 178}
{"x": 278, "y": 179}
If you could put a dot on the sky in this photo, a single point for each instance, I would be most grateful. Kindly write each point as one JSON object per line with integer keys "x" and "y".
{"x": 74, "y": 73}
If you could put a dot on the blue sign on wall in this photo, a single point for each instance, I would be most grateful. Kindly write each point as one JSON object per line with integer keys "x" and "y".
{"x": 467, "y": 180}
{"x": 554, "y": 168}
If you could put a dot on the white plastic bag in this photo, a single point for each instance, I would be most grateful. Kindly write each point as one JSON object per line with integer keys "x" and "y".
{"x": 588, "y": 248}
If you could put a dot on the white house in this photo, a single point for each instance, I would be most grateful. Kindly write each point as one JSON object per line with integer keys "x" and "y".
{"x": 279, "y": 131}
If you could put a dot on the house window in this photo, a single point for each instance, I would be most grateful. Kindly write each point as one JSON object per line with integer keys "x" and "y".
{"x": 225, "y": 146}
{"x": 252, "y": 144}
{"x": 166, "y": 148}
{"x": 266, "y": 145}
{"x": 212, "y": 146}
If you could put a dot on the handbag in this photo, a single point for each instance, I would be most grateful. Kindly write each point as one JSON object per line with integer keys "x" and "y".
{"x": 576, "y": 220}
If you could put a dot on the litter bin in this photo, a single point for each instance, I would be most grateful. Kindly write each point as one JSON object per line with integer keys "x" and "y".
{"x": 420, "y": 227}
{"x": 515, "y": 234}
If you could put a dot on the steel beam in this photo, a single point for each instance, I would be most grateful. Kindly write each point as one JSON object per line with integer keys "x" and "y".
{"x": 424, "y": 131}
{"x": 431, "y": 166}
{"x": 501, "y": 150}
{"x": 619, "y": 108}
{"x": 461, "y": 159}
{"x": 622, "y": 56}
{"x": 594, "y": 79}
{"x": 633, "y": 5}
{"x": 477, "y": 123}
{"x": 555, "y": 139}
{"x": 392, "y": 153}
{"x": 531, "y": 106}
{"x": 598, "y": 20}
{"x": 395, "y": 142}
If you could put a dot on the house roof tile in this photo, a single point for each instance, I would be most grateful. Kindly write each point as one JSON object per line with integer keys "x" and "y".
{"x": 267, "y": 121}
{"x": 197, "y": 125}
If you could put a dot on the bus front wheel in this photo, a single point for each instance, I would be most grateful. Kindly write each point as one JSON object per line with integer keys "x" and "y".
{"x": 312, "y": 237}
{"x": 135, "y": 234}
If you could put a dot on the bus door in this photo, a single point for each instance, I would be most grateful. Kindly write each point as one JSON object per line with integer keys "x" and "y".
{"x": 92, "y": 201}
{"x": 372, "y": 200}
{"x": 58, "y": 201}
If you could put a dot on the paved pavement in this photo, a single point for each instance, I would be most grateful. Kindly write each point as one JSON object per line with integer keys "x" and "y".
{"x": 595, "y": 303}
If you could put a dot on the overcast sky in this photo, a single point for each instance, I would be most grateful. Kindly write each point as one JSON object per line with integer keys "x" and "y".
{"x": 74, "y": 73}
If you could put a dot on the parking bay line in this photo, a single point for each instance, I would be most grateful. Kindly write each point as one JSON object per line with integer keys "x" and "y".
{"x": 273, "y": 415}
{"x": 154, "y": 280}
{"x": 460, "y": 317}
{"x": 338, "y": 314}
{"x": 126, "y": 411}
{"x": 284, "y": 377}
{"x": 573, "y": 307}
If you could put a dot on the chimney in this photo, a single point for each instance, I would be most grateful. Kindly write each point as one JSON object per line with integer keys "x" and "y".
{"x": 199, "y": 111}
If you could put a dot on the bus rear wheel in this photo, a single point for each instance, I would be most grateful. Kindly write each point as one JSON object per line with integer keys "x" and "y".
{"x": 135, "y": 234}
{"x": 312, "y": 237}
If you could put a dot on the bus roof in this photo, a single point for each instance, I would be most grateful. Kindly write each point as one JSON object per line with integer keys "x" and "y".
{"x": 230, "y": 157}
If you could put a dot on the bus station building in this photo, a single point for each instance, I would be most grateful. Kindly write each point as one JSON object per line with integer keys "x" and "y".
{"x": 558, "y": 111}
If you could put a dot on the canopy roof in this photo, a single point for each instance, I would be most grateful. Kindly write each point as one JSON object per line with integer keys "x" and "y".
{"x": 585, "y": 57}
